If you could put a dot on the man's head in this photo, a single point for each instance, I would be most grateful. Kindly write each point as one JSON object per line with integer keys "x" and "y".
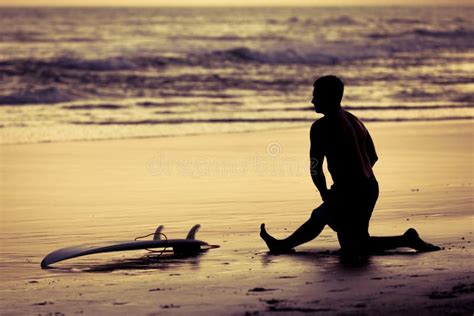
{"x": 327, "y": 94}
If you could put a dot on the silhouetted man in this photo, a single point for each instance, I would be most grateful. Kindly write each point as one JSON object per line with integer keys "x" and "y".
{"x": 347, "y": 206}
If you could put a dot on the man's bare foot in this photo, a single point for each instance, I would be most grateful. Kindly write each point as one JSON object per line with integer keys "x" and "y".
{"x": 415, "y": 242}
{"x": 274, "y": 245}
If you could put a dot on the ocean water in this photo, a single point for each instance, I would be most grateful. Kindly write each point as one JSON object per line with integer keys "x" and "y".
{"x": 86, "y": 74}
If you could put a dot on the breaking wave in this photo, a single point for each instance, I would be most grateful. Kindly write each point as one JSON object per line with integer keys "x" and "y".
{"x": 304, "y": 55}
{"x": 458, "y": 33}
{"x": 284, "y": 52}
{"x": 260, "y": 120}
{"x": 39, "y": 96}
{"x": 38, "y": 37}
{"x": 94, "y": 107}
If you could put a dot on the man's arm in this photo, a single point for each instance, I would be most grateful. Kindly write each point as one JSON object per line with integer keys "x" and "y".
{"x": 316, "y": 159}
{"x": 371, "y": 150}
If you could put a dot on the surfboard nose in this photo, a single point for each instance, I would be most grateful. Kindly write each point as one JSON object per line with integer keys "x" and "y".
{"x": 44, "y": 264}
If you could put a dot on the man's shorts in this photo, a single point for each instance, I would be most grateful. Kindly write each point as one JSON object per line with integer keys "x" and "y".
{"x": 349, "y": 208}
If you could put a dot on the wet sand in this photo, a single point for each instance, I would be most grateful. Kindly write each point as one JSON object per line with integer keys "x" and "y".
{"x": 62, "y": 194}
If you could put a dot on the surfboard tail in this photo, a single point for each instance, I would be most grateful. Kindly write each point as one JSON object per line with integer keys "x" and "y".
{"x": 158, "y": 234}
{"x": 193, "y": 231}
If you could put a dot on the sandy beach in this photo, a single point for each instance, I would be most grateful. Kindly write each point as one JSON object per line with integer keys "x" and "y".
{"x": 55, "y": 195}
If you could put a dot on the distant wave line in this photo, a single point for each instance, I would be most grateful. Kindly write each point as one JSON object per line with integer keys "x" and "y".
{"x": 374, "y": 108}
{"x": 261, "y": 120}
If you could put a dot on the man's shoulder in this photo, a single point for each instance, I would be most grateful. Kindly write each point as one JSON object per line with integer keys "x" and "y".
{"x": 354, "y": 118}
{"x": 350, "y": 115}
{"x": 318, "y": 124}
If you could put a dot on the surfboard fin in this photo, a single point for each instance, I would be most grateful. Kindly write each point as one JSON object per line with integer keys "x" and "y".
{"x": 157, "y": 235}
{"x": 193, "y": 231}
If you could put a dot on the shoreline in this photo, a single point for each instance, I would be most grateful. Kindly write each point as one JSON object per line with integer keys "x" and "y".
{"x": 303, "y": 125}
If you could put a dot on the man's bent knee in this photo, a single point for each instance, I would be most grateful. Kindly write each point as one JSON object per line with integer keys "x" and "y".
{"x": 353, "y": 242}
{"x": 321, "y": 211}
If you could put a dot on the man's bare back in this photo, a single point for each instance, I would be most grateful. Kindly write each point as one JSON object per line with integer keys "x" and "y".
{"x": 346, "y": 144}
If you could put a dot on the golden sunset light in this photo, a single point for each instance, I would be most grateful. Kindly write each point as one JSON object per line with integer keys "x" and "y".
{"x": 236, "y": 157}
{"x": 232, "y": 3}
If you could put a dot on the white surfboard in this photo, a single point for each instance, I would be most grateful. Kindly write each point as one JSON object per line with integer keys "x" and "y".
{"x": 180, "y": 246}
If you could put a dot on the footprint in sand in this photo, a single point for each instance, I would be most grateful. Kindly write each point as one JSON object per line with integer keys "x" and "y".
{"x": 261, "y": 289}
{"x": 340, "y": 290}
